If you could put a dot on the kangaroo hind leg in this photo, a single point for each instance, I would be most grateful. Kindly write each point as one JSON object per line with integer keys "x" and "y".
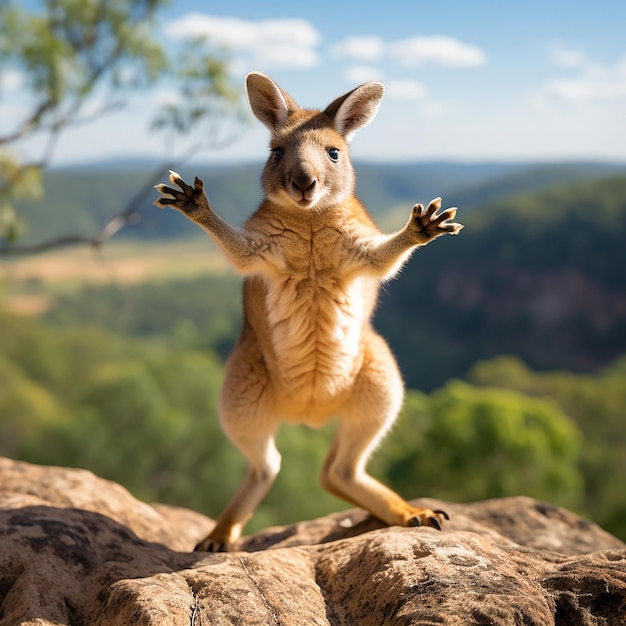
{"x": 263, "y": 466}
{"x": 366, "y": 418}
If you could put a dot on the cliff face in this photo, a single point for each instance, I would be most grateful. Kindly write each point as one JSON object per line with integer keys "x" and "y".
{"x": 550, "y": 316}
{"x": 79, "y": 550}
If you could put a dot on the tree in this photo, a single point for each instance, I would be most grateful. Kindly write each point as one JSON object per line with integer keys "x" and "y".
{"x": 74, "y": 50}
{"x": 24, "y": 407}
{"x": 597, "y": 404}
{"x": 465, "y": 443}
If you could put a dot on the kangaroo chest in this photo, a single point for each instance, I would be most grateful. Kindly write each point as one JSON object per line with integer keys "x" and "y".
{"x": 315, "y": 311}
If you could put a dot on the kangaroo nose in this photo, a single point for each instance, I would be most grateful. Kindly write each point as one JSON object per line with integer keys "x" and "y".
{"x": 303, "y": 182}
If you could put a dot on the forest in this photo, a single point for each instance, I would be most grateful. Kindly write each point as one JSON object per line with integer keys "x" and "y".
{"x": 511, "y": 338}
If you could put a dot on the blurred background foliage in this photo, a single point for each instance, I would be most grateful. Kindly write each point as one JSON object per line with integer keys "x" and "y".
{"x": 511, "y": 337}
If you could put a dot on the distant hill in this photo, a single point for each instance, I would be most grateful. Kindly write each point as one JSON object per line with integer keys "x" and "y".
{"x": 79, "y": 199}
{"x": 537, "y": 275}
{"x": 529, "y": 179}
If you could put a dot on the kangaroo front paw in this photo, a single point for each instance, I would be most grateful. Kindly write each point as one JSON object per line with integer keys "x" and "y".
{"x": 426, "y": 517}
{"x": 428, "y": 223}
{"x": 191, "y": 201}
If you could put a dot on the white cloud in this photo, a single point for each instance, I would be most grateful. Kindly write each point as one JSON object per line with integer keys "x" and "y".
{"x": 561, "y": 56}
{"x": 366, "y": 49}
{"x": 406, "y": 90}
{"x": 363, "y": 73}
{"x": 437, "y": 50}
{"x": 396, "y": 89}
{"x": 587, "y": 90}
{"x": 411, "y": 52}
{"x": 433, "y": 110}
{"x": 594, "y": 83}
{"x": 270, "y": 43}
{"x": 285, "y": 55}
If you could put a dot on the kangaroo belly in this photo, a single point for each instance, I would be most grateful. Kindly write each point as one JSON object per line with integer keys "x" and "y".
{"x": 315, "y": 328}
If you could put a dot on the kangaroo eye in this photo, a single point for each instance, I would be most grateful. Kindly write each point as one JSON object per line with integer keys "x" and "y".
{"x": 278, "y": 153}
{"x": 333, "y": 154}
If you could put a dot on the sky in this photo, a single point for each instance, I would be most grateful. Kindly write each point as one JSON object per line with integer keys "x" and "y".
{"x": 465, "y": 81}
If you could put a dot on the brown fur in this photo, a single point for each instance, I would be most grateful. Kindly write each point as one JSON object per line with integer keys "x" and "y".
{"x": 313, "y": 261}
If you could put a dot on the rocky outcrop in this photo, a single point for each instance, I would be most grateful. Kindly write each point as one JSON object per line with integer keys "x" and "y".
{"x": 81, "y": 551}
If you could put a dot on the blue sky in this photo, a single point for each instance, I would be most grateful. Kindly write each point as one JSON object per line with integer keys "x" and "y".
{"x": 472, "y": 81}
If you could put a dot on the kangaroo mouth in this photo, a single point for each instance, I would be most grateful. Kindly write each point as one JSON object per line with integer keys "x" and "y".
{"x": 305, "y": 203}
{"x": 304, "y": 200}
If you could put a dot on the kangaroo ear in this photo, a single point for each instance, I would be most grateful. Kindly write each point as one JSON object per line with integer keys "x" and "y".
{"x": 356, "y": 108}
{"x": 269, "y": 103}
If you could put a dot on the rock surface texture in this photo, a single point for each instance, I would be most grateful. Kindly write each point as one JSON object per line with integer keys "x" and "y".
{"x": 81, "y": 551}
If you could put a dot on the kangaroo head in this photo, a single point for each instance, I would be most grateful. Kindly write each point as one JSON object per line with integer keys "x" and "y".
{"x": 309, "y": 165}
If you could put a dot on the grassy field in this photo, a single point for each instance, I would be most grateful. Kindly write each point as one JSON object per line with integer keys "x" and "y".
{"x": 29, "y": 284}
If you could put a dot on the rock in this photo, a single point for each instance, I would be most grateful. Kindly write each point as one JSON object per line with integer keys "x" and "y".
{"x": 79, "y": 550}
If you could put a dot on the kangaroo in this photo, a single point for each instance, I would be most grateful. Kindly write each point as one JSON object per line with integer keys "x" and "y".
{"x": 313, "y": 261}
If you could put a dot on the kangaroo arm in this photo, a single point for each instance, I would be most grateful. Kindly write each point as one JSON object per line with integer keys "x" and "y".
{"x": 385, "y": 255}
{"x": 242, "y": 248}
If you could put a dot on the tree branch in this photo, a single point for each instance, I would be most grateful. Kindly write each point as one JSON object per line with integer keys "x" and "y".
{"x": 27, "y": 126}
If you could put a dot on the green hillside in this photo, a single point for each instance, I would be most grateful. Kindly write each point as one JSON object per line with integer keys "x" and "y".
{"x": 530, "y": 179}
{"x": 537, "y": 275}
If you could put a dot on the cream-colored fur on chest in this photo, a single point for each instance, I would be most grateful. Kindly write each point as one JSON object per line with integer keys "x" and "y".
{"x": 317, "y": 306}
{"x": 316, "y": 327}
{"x": 318, "y": 299}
